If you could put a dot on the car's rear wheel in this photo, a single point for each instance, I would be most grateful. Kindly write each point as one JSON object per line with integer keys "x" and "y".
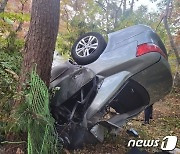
{"x": 88, "y": 48}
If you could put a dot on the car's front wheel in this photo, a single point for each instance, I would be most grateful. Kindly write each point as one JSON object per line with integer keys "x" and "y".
{"x": 88, "y": 48}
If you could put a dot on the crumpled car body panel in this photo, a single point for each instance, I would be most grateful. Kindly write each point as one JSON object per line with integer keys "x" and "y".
{"x": 113, "y": 89}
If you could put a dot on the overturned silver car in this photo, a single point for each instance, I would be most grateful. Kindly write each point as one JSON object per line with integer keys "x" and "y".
{"x": 109, "y": 83}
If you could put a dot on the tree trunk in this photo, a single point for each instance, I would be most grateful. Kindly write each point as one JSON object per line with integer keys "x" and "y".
{"x": 41, "y": 39}
{"x": 166, "y": 25}
{"x": 132, "y": 6}
{"x": 117, "y": 14}
{"x": 107, "y": 17}
{"x": 3, "y": 4}
{"x": 124, "y": 7}
{"x": 176, "y": 80}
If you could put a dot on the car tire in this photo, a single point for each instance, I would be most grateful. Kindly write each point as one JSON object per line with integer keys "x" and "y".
{"x": 88, "y": 48}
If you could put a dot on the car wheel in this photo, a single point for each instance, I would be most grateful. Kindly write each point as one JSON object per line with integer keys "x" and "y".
{"x": 88, "y": 48}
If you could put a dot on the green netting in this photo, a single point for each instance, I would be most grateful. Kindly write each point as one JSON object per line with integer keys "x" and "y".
{"x": 42, "y": 137}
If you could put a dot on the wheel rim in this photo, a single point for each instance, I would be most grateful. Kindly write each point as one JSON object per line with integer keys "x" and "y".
{"x": 86, "y": 46}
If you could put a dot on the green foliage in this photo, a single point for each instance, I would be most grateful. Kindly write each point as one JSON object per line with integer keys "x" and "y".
{"x": 103, "y": 17}
{"x": 42, "y": 137}
{"x": 7, "y": 19}
{"x": 33, "y": 116}
{"x": 10, "y": 63}
{"x": 14, "y": 17}
{"x": 64, "y": 43}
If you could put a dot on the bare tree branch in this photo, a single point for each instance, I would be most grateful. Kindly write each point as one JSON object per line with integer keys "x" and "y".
{"x": 132, "y": 6}
{"x": 15, "y": 76}
{"x": 101, "y": 5}
{"x": 120, "y": 6}
{"x": 124, "y": 6}
{"x": 67, "y": 18}
{"x": 166, "y": 25}
{"x": 19, "y": 28}
{"x": 116, "y": 14}
{"x": 3, "y": 5}
{"x": 161, "y": 19}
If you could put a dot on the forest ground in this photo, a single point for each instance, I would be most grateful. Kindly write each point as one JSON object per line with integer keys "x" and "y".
{"x": 166, "y": 121}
